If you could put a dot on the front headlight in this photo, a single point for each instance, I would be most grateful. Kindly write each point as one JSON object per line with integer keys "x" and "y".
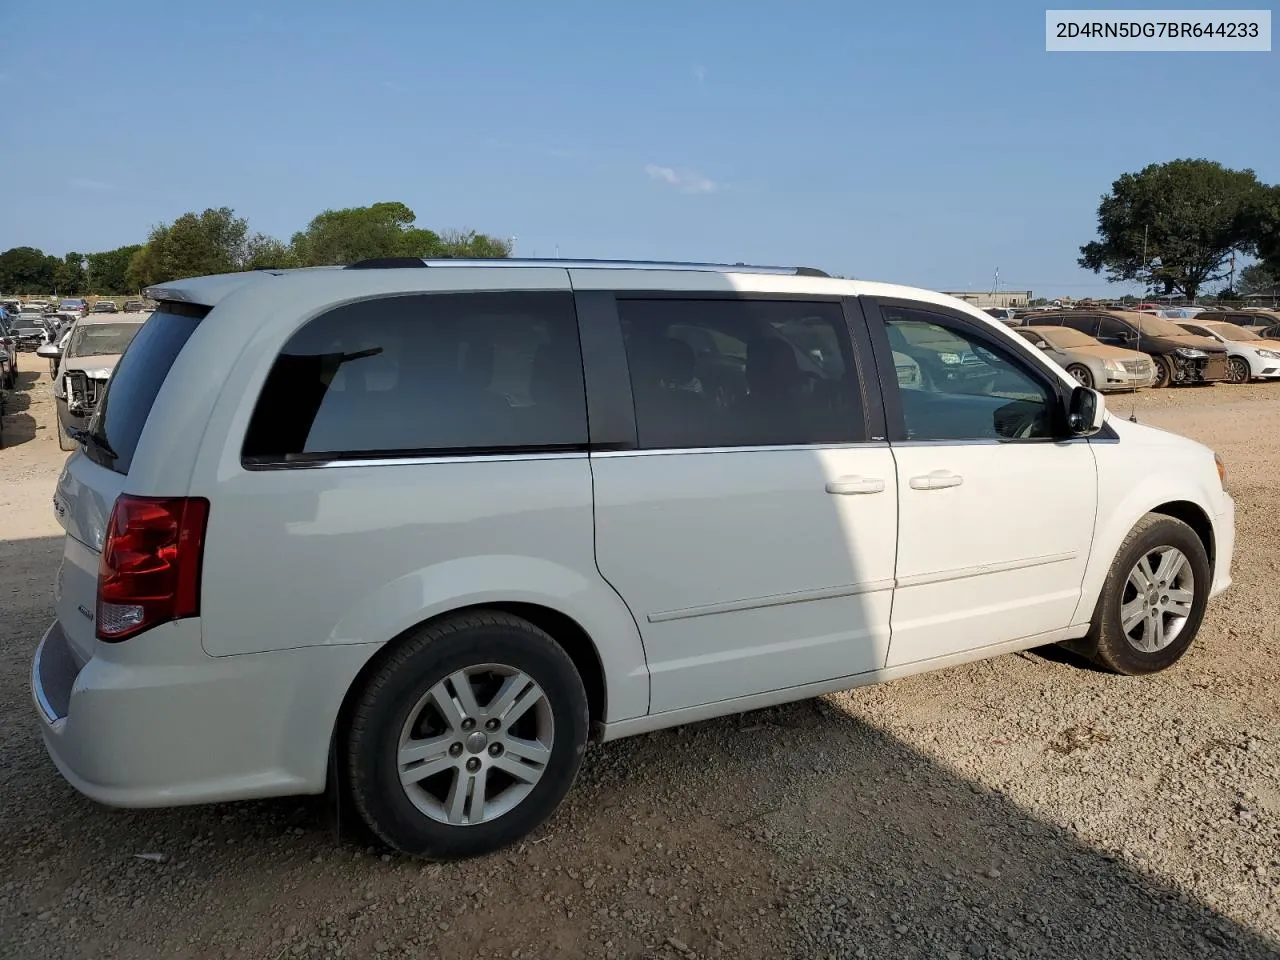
{"x": 949, "y": 357}
{"x": 1269, "y": 354}
{"x": 1190, "y": 353}
{"x": 102, "y": 373}
{"x": 1115, "y": 366}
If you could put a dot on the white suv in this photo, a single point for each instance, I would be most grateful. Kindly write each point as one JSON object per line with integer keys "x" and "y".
{"x": 416, "y": 531}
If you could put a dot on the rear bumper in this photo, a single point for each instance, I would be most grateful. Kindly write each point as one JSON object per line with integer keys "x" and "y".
{"x": 155, "y": 721}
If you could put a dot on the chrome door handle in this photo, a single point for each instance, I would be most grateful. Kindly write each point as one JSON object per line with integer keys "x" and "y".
{"x": 854, "y": 484}
{"x": 937, "y": 480}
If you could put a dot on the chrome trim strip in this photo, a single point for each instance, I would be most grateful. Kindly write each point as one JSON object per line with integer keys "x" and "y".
{"x": 37, "y": 685}
{"x": 963, "y": 573}
{"x": 773, "y": 448}
{"x": 774, "y": 600}
{"x": 411, "y": 461}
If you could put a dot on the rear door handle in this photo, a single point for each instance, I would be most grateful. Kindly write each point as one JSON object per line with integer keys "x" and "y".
{"x": 937, "y": 480}
{"x": 854, "y": 484}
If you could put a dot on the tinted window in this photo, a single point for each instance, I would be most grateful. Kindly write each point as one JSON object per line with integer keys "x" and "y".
{"x": 730, "y": 373}
{"x": 964, "y": 387}
{"x": 123, "y": 410}
{"x": 1084, "y": 323}
{"x": 1111, "y": 330}
{"x": 476, "y": 372}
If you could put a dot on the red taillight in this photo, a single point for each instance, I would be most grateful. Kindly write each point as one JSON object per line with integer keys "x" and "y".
{"x": 150, "y": 567}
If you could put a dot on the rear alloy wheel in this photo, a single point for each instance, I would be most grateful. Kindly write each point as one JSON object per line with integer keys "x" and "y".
{"x": 1238, "y": 370}
{"x": 466, "y": 737}
{"x": 1152, "y": 601}
{"x": 1082, "y": 374}
{"x": 1164, "y": 371}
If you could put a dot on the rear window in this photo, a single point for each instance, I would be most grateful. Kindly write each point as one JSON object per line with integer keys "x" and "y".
{"x": 122, "y": 413}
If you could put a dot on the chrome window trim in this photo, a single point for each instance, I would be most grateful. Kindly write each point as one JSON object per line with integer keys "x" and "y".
{"x": 411, "y": 461}
{"x": 766, "y": 448}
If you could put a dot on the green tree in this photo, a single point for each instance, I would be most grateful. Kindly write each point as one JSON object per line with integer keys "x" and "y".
{"x": 469, "y": 244}
{"x": 263, "y": 252}
{"x": 26, "y": 270}
{"x": 1173, "y": 226}
{"x": 1259, "y": 278}
{"x": 215, "y": 241}
{"x": 69, "y": 275}
{"x": 109, "y": 270}
{"x": 359, "y": 233}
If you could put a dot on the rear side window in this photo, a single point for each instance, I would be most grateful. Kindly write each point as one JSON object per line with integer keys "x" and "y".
{"x": 425, "y": 374}
{"x": 123, "y": 410}
{"x": 733, "y": 373}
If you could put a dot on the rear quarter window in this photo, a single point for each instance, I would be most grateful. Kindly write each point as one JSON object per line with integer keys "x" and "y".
{"x": 140, "y": 373}
{"x": 440, "y": 373}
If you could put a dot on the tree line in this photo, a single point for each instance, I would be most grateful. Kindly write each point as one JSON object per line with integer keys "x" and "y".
{"x": 217, "y": 241}
{"x": 1182, "y": 226}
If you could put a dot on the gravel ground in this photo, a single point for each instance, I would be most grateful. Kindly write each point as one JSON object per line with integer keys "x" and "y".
{"x": 1021, "y": 807}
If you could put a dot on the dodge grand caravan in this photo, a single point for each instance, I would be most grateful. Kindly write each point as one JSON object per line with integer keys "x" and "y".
{"x": 415, "y": 531}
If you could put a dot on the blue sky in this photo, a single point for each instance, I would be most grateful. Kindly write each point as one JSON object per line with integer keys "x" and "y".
{"x": 917, "y": 143}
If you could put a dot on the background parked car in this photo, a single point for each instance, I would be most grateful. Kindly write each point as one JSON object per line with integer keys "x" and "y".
{"x": 1180, "y": 356}
{"x": 29, "y": 331}
{"x": 1249, "y": 355}
{"x": 105, "y": 306}
{"x": 92, "y": 350}
{"x": 1093, "y": 364}
{"x": 1256, "y": 320}
{"x": 136, "y": 306}
{"x": 74, "y": 305}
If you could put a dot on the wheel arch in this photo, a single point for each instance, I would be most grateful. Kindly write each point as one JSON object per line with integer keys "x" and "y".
{"x": 562, "y": 628}
{"x": 1194, "y": 516}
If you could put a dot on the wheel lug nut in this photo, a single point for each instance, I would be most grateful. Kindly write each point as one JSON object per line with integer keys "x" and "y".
{"x": 495, "y": 749}
{"x": 468, "y": 724}
{"x": 473, "y": 764}
{"x": 491, "y": 725}
{"x": 455, "y": 749}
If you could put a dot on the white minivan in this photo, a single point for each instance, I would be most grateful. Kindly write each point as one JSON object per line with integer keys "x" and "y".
{"x": 416, "y": 531}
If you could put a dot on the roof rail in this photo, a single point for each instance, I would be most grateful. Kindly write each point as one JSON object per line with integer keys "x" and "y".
{"x": 378, "y": 263}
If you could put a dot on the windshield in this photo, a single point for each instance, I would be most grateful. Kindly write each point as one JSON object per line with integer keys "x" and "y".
{"x": 1159, "y": 327}
{"x": 70, "y": 304}
{"x": 1231, "y": 332}
{"x": 1066, "y": 337}
{"x": 102, "y": 339}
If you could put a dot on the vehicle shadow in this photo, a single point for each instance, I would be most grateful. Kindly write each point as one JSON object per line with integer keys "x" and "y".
{"x": 17, "y": 425}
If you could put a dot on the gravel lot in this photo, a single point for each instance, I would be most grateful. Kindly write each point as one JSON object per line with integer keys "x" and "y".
{"x": 1022, "y": 807}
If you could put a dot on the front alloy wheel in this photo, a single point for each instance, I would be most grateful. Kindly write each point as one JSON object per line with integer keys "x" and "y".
{"x": 1152, "y": 601}
{"x": 1082, "y": 374}
{"x": 1238, "y": 370}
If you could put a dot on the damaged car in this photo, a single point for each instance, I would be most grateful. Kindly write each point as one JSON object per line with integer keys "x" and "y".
{"x": 1180, "y": 357}
{"x": 92, "y": 350}
{"x": 1092, "y": 364}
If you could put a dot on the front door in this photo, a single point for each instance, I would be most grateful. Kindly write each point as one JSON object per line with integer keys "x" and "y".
{"x": 996, "y": 515}
{"x": 752, "y": 534}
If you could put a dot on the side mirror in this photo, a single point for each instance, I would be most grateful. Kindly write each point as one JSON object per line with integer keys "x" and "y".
{"x": 50, "y": 351}
{"x": 1085, "y": 412}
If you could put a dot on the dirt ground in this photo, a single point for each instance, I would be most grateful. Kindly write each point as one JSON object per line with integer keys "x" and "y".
{"x": 1022, "y": 807}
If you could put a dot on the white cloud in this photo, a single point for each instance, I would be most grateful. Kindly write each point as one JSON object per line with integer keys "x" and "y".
{"x": 684, "y": 181}
{"x": 82, "y": 183}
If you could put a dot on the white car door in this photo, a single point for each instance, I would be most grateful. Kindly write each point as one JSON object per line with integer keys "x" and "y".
{"x": 752, "y": 533}
{"x": 996, "y": 515}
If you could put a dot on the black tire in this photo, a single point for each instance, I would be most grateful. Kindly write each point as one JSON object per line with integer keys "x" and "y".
{"x": 1164, "y": 372}
{"x": 1238, "y": 370}
{"x": 368, "y": 748}
{"x": 1107, "y": 643}
{"x": 1082, "y": 374}
{"x": 64, "y": 441}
